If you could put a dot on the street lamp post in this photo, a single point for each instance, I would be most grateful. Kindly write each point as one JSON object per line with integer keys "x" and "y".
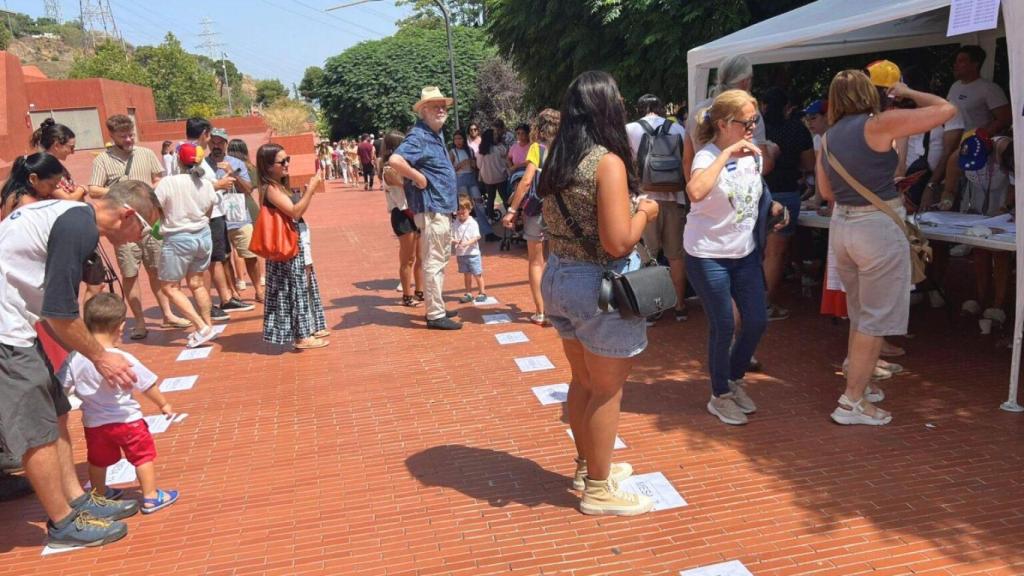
{"x": 451, "y": 51}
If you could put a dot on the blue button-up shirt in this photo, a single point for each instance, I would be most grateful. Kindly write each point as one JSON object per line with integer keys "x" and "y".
{"x": 425, "y": 151}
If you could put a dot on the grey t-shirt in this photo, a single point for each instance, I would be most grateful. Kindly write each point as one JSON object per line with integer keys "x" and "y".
{"x": 875, "y": 170}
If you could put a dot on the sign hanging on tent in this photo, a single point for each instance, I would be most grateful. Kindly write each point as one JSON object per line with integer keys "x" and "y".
{"x": 966, "y": 16}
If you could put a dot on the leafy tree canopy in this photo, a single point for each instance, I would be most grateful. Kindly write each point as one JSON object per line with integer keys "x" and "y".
{"x": 177, "y": 78}
{"x": 311, "y": 80}
{"x": 373, "y": 85}
{"x": 464, "y": 13}
{"x": 111, "y": 61}
{"x": 643, "y": 43}
{"x": 270, "y": 91}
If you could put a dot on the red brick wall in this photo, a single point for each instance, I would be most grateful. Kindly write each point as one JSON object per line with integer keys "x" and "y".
{"x": 295, "y": 144}
{"x": 109, "y": 97}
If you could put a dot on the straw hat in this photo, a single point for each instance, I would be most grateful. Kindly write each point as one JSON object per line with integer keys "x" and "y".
{"x": 431, "y": 94}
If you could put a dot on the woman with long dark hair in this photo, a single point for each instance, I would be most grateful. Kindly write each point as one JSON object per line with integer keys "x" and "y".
{"x": 33, "y": 177}
{"x": 293, "y": 313}
{"x": 594, "y": 220}
{"x": 493, "y": 171}
{"x": 58, "y": 140}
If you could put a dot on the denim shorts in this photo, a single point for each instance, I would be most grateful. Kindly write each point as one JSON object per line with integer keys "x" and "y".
{"x": 471, "y": 264}
{"x": 791, "y": 200}
{"x": 570, "y": 289}
{"x": 185, "y": 253}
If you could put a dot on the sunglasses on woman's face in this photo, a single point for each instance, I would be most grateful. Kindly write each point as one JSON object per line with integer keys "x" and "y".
{"x": 284, "y": 162}
{"x": 748, "y": 125}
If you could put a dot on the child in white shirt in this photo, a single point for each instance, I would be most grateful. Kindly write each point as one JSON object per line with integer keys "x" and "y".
{"x": 112, "y": 417}
{"x": 466, "y": 241}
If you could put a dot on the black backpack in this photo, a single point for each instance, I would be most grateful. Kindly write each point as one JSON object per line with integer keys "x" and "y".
{"x": 532, "y": 203}
{"x": 660, "y": 159}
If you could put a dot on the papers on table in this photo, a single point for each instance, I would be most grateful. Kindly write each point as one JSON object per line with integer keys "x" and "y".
{"x": 195, "y": 353}
{"x": 178, "y": 384}
{"x": 534, "y": 364}
{"x": 511, "y": 338}
{"x": 966, "y": 16}
{"x": 159, "y": 423}
{"x": 490, "y": 301}
{"x": 552, "y": 393}
{"x": 730, "y": 568}
{"x": 619, "y": 444}
{"x": 497, "y": 319}
{"x": 656, "y": 486}
{"x": 938, "y": 218}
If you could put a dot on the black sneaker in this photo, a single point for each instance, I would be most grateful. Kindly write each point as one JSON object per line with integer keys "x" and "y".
{"x": 84, "y": 530}
{"x": 443, "y": 324}
{"x": 99, "y": 507}
{"x": 236, "y": 305}
{"x": 653, "y": 318}
{"x": 218, "y": 315}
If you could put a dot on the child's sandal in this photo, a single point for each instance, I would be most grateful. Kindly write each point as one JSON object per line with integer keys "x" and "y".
{"x": 410, "y": 301}
{"x": 162, "y": 500}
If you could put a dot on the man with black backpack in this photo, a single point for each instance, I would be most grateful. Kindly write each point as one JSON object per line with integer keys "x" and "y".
{"x": 657, "y": 146}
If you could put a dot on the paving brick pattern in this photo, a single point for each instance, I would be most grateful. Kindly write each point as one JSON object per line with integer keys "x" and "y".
{"x": 398, "y": 451}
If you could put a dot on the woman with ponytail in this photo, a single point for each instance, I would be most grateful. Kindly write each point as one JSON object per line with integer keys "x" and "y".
{"x": 58, "y": 140}
{"x": 33, "y": 177}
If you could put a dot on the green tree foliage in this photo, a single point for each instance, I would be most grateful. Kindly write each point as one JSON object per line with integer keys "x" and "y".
{"x": 372, "y": 86}
{"x": 5, "y": 37}
{"x": 426, "y": 12}
{"x": 270, "y": 91}
{"x": 177, "y": 79}
{"x": 110, "y": 61}
{"x": 311, "y": 80}
{"x": 643, "y": 43}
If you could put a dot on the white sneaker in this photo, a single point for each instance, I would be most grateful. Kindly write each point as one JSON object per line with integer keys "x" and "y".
{"x": 970, "y": 308}
{"x": 996, "y": 315}
{"x": 849, "y": 413}
{"x": 619, "y": 471}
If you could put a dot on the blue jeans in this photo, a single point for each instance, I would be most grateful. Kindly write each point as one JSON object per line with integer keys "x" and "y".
{"x": 719, "y": 282}
{"x": 467, "y": 184}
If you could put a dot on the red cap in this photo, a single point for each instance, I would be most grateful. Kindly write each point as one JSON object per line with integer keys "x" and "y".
{"x": 190, "y": 154}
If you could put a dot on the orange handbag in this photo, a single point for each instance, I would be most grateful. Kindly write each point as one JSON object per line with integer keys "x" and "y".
{"x": 274, "y": 236}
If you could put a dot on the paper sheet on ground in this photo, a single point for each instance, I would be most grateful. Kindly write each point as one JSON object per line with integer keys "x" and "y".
{"x": 490, "y": 301}
{"x": 511, "y": 338}
{"x": 195, "y": 353}
{"x": 48, "y": 551}
{"x": 619, "y": 444}
{"x": 552, "y": 393}
{"x": 497, "y": 319}
{"x": 179, "y": 383}
{"x": 159, "y": 423}
{"x": 656, "y": 486}
{"x": 730, "y": 568}
{"x": 966, "y": 16}
{"x": 122, "y": 472}
{"x": 534, "y": 363}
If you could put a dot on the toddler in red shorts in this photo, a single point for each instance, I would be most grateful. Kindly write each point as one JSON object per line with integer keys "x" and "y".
{"x": 112, "y": 417}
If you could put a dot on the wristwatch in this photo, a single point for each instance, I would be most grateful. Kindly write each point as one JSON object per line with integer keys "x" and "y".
{"x": 511, "y": 210}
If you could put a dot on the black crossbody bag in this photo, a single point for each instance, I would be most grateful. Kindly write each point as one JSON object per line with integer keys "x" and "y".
{"x": 637, "y": 294}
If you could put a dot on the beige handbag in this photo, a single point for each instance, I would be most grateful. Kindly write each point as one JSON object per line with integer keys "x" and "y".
{"x": 920, "y": 251}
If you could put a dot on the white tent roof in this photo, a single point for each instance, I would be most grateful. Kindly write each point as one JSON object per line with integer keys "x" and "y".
{"x": 826, "y": 29}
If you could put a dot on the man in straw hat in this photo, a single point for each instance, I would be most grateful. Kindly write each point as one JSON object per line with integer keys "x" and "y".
{"x": 430, "y": 186}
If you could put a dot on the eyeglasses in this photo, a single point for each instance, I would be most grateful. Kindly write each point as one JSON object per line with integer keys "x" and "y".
{"x": 147, "y": 228}
{"x": 474, "y": 129}
{"x": 284, "y": 162}
{"x": 748, "y": 125}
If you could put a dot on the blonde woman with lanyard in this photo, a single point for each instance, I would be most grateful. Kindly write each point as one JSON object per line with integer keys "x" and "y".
{"x": 533, "y": 226}
{"x": 872, "y": 254}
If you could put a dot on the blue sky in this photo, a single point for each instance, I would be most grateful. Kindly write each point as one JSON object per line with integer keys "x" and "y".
{"x": 264, "y": 38}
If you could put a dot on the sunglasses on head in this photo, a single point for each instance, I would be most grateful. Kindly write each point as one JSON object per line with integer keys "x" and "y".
{"x": 748, "y": 125}
{"x": 147, "y": 228}
{"x": 284, "y": 162}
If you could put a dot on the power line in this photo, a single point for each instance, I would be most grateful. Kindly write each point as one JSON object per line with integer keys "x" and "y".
{"x": 98, "y": 19}
{"x": 51, "y": 8}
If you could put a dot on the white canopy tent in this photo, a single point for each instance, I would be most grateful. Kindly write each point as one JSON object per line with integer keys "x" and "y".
{"x": 831, "y": 28}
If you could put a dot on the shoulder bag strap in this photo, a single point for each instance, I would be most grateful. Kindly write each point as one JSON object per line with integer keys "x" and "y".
{"x": 860, "y": 188}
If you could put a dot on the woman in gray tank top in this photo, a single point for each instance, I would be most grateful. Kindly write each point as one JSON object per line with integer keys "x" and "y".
{"x": 871, "y": 252}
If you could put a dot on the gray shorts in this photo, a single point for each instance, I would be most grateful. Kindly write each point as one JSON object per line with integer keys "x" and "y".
{"x": 31, "y": 399}
{"x": 873, "y": 260}
{"x": 533, "y": 228}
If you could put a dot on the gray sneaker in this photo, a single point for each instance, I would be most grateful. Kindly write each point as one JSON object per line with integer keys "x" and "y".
{"x": 84, "y": 530}
{"x": 740, "y": 396}
{"x": 727, "y": 410}
{"x": 103, "y": 508}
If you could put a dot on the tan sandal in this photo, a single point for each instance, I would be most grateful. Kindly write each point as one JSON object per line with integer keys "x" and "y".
{"x": 321, "y": 334}
{"x": 310, "y": 344}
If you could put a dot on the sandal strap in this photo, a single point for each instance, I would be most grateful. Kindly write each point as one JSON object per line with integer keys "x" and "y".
{"x": 155, "y": 501}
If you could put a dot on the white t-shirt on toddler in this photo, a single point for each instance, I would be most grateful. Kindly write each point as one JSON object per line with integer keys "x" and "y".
{"x": 463, "y": 236}
{"x": 722, "y": 224}
{"x": 187, "y": 202}
{"x": 104, "y": 403}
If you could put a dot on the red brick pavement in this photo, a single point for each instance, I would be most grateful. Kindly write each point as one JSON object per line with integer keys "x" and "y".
{"x": 398, "y": 451}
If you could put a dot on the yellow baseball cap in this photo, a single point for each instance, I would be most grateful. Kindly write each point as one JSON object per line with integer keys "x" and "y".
{"x": 884, "y": 73}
